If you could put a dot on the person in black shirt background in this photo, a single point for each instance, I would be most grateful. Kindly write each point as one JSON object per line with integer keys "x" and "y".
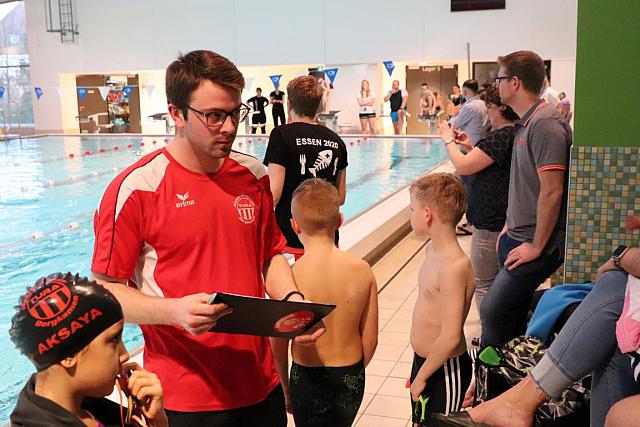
{"x": 277, "y": 110}
{"x": 302, "y": 150}
{"x": 258, "y": 103}
{"x": 490, "y": 160}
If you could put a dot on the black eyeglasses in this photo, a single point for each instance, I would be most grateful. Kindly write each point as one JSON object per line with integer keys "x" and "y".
{"x": 503, "y": 78}
{"x": 217, "y": 118}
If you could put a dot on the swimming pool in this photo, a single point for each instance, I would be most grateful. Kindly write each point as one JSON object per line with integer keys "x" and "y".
{"x": 50, "y": 187}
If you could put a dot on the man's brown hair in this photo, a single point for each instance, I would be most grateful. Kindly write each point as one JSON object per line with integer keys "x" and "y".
{"x": 527, "y": 66}
{"x": 315, "y": 205}
{"x": 442, "y": 192}
{"x": 305, "y": 95}
{"x": 188, "y": 72}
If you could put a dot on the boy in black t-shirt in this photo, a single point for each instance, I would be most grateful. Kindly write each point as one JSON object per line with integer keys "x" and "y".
{"x": 302, "y": 150}
{"x": 258, "y": 118}
{"x": 277, "y": 109}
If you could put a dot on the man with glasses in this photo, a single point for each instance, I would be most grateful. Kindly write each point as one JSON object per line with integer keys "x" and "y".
{"x": 531, "y": 245}
{"x": 186, "y": 221}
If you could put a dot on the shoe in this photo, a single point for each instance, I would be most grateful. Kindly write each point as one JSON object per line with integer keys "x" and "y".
{"x": 455, "y": 419}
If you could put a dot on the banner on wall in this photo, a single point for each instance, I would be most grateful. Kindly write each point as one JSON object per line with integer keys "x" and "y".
{"x": 82, "y": 93}
{"x": 104, "y": 91}
{"x": 1, "y": 92}
{"x": 331, "y": 73}
{"x": 389, "y": 66}
{"x": 360, "y": 69}
{"x": 38, "y": 91}
{"x": 275, "y": 80}
{"x": 128, "y": 90}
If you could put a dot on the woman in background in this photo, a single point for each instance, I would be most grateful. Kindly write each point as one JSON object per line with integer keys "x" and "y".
{"x": 367, "y": 102}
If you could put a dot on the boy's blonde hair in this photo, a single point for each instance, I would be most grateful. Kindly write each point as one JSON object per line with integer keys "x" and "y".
{"x": 316, "y": 207}
{"x": 443, "y": 192}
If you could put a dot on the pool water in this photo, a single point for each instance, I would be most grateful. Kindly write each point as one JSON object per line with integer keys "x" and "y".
{"x": 50, "y": 187}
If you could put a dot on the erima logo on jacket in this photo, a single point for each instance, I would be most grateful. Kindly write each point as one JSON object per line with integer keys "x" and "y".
{"x": 184, "y": 200}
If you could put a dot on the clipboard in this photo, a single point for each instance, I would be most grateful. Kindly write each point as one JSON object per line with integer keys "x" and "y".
{"x": 267, "y": 317}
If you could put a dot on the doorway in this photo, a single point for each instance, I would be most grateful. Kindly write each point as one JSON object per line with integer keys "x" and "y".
{"x": 440, "y": 79}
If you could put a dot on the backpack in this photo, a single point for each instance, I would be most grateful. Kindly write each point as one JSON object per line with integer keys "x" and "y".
{"x": 498, "y": 368}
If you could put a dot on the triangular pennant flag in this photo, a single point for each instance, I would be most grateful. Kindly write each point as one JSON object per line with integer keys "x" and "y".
{"x": 331, "y": 73}
{"x": 275, "y": 80}
{"x": 389, "y": 66}
{"x": 82, "y": 93}
{"x": 104, "y": 91}
{"x": 127, "y": 90}
{"x": 60, "y": 91}
{"x": 360, "y": 69}
{"x": 1, "y": 92}
{"x": 248, "y": 81}
{"x": 38, "y": 91}
{"x": 150, "y": 88}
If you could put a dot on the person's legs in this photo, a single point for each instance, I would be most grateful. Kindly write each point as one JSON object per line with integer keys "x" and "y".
{"x": 372, "y": 125}
{"x": 503, "y": 312}
{"x": 484, "y": 261}
{"x": 363, "y": 125}
{"x": 624, "y": 413}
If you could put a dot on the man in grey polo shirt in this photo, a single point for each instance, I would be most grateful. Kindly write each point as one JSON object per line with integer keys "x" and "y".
{"x": 531, "y": 247}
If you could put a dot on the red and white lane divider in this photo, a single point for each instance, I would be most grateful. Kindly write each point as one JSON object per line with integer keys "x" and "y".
{"x": 87, "y": 153}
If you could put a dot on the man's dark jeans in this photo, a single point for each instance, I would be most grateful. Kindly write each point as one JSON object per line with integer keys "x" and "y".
{"x": 503, "y": 312}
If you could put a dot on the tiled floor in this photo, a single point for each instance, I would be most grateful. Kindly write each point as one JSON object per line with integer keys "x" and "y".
{"x": 386, "y": 400}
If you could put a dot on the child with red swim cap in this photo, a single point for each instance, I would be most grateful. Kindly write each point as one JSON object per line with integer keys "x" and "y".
{"x": 71, "y": 330}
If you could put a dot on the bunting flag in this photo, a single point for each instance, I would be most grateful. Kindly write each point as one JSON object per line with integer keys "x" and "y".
{"x": 389, "y": 66}
{"x": 104, "y": 91}
{"x": 82, "y": 93}
{"x": 360, "y": 69}
{"x": 149, "y": 88}
{"x": 275, "y": 80}
{"x": 127, "y": 90}
{"x": 1, "y": 92}
{"x": 60, "y": 91}
{"x": 248, "y": 81}
{"x": 38, "y": 91}
{"x": 331, "y": 73}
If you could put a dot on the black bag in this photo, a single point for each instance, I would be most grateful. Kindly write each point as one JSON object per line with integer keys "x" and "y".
{"x": 500, "y": 368}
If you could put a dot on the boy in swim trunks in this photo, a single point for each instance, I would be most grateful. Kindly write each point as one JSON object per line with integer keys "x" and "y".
{"x": 441, "y": 370}
{"x": 70, "y": 328}
{"x": 326, "y": 385}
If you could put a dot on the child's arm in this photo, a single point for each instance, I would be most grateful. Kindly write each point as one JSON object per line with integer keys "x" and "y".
{"x": 280, "y": 349}
{"x": 369, "y": 323}
{"x": 452, "y": 282}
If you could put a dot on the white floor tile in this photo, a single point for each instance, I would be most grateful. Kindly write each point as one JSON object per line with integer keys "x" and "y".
{"x": 374, "y": 421}
{"x": 390, "y": 406}
{"x": 394, "y": 338}
{"x": 385, "y": 313}
{"x": 407, "y": 355}
{"x": 389, "y": 352}
{"x": 401, "y": 370}
{"x": 372, "y": 383}
{"x": 394, "y": 387}
{"x": 397, "y": 325}
{"x": 380, "y": 367}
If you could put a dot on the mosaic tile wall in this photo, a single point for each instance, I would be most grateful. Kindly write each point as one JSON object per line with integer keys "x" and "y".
{"x": 604, "y": 187}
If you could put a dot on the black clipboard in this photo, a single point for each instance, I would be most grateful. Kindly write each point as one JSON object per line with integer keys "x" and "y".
{"x": 267, "y": 317}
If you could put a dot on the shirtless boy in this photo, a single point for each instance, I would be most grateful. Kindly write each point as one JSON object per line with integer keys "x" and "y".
{"x": 327, "y": 378}
{"x": 441, "y": 369}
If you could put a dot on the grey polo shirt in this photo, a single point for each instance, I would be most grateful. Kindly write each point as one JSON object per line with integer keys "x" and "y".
{"x": 542, "y": 143}
{"x": 472, "y": 119}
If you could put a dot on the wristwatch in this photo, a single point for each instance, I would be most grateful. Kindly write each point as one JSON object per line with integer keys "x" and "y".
{"x": 616, "y": 256}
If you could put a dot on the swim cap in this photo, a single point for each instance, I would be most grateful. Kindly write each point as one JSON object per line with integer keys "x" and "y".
{"x": 59, "y": 316}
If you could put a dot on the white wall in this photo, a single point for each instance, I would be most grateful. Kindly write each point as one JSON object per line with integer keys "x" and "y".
{"x": 119, "y": 36}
